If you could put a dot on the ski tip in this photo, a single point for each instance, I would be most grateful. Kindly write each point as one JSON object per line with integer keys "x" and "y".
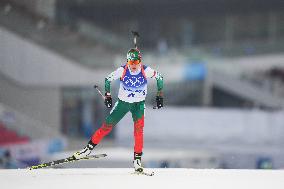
{"x": 101, "y": 155}
{"x": 98, "y": 155}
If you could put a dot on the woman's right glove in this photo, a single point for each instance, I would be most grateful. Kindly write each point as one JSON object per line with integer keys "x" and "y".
{"x": 108, "y": 100}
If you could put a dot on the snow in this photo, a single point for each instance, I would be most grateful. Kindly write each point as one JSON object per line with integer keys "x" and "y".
{"x": 104, "y": 178}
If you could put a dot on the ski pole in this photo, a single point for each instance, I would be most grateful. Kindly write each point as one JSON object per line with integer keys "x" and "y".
{"x": 97, "y": 87}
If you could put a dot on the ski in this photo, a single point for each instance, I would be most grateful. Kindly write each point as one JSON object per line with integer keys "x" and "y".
{"x": 144, "y": 173}
{"x": 65, "y": 160}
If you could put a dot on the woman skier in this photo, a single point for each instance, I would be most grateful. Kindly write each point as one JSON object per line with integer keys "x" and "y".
{"x": 131, "y": 97}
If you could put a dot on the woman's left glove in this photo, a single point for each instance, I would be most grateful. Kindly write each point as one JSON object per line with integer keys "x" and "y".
{"x": 108, "y": 100}
{"x": 159, "y": 100}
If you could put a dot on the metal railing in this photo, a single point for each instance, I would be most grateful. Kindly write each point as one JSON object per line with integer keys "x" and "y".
{"x": 245, "y": 89}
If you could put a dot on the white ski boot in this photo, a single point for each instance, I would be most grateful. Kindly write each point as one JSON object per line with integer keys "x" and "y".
{"x": 137, "y": 162}
{"x": 85, "y": 152}
{"x": 137, "y": 165}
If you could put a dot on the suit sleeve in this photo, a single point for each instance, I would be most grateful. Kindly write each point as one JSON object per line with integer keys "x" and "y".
{"x": 111, "y": 77}
{"x": 151, "y": 73}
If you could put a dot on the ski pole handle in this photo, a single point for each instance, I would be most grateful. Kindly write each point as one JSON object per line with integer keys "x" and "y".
{"x": 97, "y": 87}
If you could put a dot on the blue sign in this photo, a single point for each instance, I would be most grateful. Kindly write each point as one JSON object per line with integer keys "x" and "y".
{"x": 196, "y": 70}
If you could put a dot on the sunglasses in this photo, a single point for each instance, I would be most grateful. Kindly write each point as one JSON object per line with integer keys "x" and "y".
{"x": 131, "y": 62}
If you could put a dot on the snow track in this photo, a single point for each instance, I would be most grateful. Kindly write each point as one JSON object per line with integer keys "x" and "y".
{"x": 104, "y": 178}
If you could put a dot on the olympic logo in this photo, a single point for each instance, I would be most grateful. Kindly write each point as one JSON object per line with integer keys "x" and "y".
{"x": 134, "y": 81}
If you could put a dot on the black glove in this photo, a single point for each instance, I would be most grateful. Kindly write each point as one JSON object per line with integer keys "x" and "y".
{"x": 108, "y": 100}
{"x": 159, "y": 100}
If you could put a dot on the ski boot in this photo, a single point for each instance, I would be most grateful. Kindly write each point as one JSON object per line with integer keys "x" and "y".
{"x": 85, "y": 152}
{"x": 137, "y": 162}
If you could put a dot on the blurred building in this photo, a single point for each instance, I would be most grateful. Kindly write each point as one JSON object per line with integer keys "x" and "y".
{"x": 182, "y": 23}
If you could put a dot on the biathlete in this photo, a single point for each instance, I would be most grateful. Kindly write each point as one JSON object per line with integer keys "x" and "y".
{"x": 131, "y": 97}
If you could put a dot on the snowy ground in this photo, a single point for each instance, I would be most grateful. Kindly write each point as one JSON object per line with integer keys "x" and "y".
{"x": 104, "y": 178}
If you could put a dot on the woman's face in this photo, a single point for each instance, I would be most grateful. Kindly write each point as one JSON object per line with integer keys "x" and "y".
{"x": 134, "y": 65}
